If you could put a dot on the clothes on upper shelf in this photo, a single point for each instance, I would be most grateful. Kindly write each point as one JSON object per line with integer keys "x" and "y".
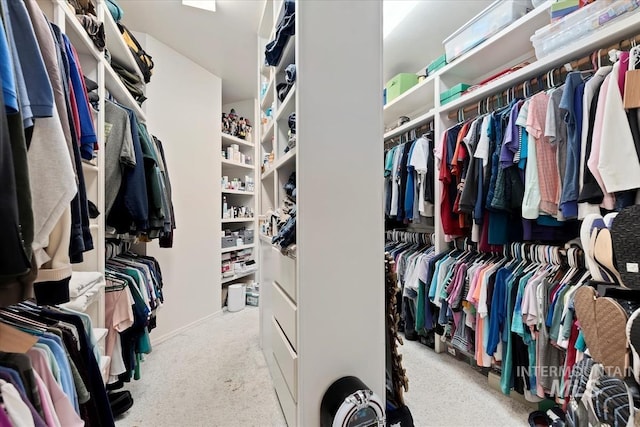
{"x": 46, "y": 131}
{"x": 527, "y": 171}
{"x": 49, "y": 372}
{"x": 512, "y": 312}
{"x": 132, "y": 297}
{"x": 284, "y": 30}
{"x": 409, "y": 172}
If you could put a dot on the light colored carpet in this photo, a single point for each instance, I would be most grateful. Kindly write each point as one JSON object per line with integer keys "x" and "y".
{"x": 215, "y": 375}
{"x": 211, "y": 375}
{"x": 444, "y": 391}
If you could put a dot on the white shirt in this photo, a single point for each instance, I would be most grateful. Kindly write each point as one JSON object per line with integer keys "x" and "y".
{"x": 418, "y": 160}
{"x": 618, "y": 164}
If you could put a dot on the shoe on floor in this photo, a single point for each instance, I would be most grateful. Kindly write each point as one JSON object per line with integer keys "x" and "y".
{"x": 539, "y": 419}
{"x": 120, "y": 402}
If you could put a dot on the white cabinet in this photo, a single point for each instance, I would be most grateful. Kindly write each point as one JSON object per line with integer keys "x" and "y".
{"x": 322, "y": 306}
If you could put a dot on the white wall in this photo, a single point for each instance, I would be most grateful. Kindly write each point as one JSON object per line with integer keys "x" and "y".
{"x": 183, "y": 110}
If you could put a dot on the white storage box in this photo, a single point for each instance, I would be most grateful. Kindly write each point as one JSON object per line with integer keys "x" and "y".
{"x": 494, "y": 18}
{"x": 579, "y": 24}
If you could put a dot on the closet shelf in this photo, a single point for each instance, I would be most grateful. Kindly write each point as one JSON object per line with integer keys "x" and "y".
{"x": 419, "y": 98}
{"x": 118, "y": 48}
{"x": 266, "y": 21}
{"x": 429, "y": 115}
{"x": 269, "y": 133}
{"x": 76, "y": 33}
{"x": 235, "y": 140}
{"x": 288, "y": 55}
{"x": 244, "y": 193}
{"x": 100, "y": 334}
{"x": 88, "y": 167}
{"x": 267, "y": 99}
{"x": 237, "y": 248}
{"x": 287, "y": 106}
{"x": 117, "y": 89}
{"x": 266, "y": 239}
{"x": 236, "y": 164}
{"x": 232, "y": 220}
{"x": 480, "y": 62}
{"x": 286, "y": 159}
{"x": 238, "y": 276}
{"x": 269, "y": 173}
{"x": 612, "y": 33}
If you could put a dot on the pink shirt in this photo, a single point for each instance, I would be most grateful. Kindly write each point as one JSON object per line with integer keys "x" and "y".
{"x": 546, "y": 154}
{"x": 61, "y": 403}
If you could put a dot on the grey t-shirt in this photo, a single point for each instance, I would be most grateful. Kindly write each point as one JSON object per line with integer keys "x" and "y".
{"x": 119, "y": 152}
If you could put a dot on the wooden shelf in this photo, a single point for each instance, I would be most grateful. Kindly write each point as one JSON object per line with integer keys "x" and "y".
{"x": 238, "y": 248}
{"x": 226, "y": 162}
{"x": 235, "y": 140}
{"x": 238, "y": 276}
{"x": 243, "y": 193}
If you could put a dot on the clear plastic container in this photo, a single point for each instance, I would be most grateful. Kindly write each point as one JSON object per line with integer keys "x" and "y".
{"x": 494, "y": 18}
{"x": 579, "y": 24}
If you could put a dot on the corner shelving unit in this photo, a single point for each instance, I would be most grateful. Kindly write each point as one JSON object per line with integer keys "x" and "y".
{"x": 233, "y": 258}
{"x": 96, "y": 67}
{"x": 308, "y": 329}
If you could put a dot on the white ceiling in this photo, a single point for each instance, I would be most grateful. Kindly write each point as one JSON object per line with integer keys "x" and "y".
{"x": 225, "y": 42}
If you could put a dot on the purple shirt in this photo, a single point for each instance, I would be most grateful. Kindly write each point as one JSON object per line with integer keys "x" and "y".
{"x": 511, "y": 138}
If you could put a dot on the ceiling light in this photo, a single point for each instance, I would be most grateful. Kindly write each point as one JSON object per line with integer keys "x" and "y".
{"x": 393, "y": 12}
{"x": 208, "y": 5}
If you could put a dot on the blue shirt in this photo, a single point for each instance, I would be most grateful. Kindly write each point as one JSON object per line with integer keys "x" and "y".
{"x": 571, "y": 103}
{"x": 66, "y": 377}
{"x": 88, "y": 136}
{"x": 410, "y": 191}
{"x": 6, "y": 72}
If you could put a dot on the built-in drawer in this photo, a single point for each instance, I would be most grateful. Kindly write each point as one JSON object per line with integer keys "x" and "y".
{"x": 286, "y": 358}
{"x": 286, "y": 274}
{"x": 287, "y": 403}
{"x": 284, "y": 310}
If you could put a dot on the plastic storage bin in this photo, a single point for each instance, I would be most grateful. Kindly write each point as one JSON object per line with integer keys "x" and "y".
{"x": 494, "y": 18}
{"x": 400, "y": 84}
{"x": 580, "y": 24}
{"x": 453, "y": 93}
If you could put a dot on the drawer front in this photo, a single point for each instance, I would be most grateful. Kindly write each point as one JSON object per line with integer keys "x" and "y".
{"x": 287, "y": 403}
{"x": 286, "y": 358}
{"x": 286, "y": 274}
{"x": 284, "y": 310}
